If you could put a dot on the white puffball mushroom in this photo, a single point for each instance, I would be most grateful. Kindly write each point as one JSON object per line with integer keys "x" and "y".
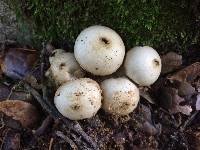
{"x": 99, "y": 50}
{"x": 78, "y": 99}
{"x": 64, "y": 67}
{"x": 143, "y": 65}
{"x": 120, "y": 96}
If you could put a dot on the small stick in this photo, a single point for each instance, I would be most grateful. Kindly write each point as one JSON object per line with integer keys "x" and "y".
{"x": 189, "y": 120}
{"x": 67, "y": 139}
{"x": 51, "y": 143}
{"x": 78, "y": 141}
{"x": 42, "y": 67}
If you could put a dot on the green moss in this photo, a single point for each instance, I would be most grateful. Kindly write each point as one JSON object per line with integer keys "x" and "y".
{"x": 139, "y": 22}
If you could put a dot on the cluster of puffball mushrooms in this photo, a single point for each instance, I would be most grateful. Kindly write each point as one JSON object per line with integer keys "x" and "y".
{"x": 100, "y": 51}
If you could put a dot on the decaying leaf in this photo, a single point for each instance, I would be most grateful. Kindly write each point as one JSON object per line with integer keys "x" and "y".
{"x": 170, "y": 62}
{"x": 11, "y": 140}
{"x": 172, "y": 101}
{"x": 17, "y": 62}
{"x": 198, "y": 102}
{"x": 22, "y": 111}
{"x": 187, "y": 74}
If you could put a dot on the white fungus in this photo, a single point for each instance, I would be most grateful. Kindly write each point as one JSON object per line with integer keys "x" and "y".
{"x": 99, "y": 50}
{"x": 143, "y": 65}
{"x": 78, "y": 99}
{"x": 120, "y": 96}
{"x": 64, "y": 67}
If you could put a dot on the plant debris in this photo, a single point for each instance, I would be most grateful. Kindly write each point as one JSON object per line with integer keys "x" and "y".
{"x": 186, "y": 74}
{"x": 25, "y": 112}
{"x": 18, "y": 62}
{"x": 170, "y": 100}
{"x": 171, "y": 62}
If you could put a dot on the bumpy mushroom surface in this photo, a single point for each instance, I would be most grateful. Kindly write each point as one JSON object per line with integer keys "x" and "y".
{"x": 64, "y": 67}
{"x": 120, "y": 96}
{"x": 143, "y": 65}
{"x": 99, "y": 50}
{"x": 78, "y": 99}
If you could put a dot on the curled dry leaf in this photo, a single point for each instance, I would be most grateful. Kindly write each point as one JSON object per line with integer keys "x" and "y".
{"x": 198, "y": 102}
{"x": 170, "y": 62}
{"x": 22, "y": 111}
{"x": 17, "y": 62}
{"x": 170, "y": 99}
{"x": 188, "y": 73}
{"x": 11, "y": 140}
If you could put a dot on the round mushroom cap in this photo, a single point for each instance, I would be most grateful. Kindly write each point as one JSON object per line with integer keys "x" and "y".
{"x": 78, "y": 99}
{"x": 99, "y": 50}
{"x": 143, "y": 65}
{"x": 120, "y": 96}
{"x": 64, "y": 67}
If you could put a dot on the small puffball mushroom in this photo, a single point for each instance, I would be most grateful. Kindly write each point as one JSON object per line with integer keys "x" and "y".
{"x": 64, "y": 67}
{"x": 120, "y": 96}
{"x": 99, "y": 50}
{"x": 143, "y": 65}
{"x": 78, "y": 99}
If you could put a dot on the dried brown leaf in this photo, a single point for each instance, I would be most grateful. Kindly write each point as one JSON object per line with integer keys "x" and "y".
{"x": 170, "y": 62}
{"x": 188, "y": 74}
{"x": 17, "y": 62}
{"x": 22, "y": 111}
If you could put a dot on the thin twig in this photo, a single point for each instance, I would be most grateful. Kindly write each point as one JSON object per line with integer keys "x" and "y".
{"x": 42, "y": 71}
{"x": 51, "y": 143}
{"x": 67, "y": 139}
{"x": 13, "y": 88}
{"x": 189, "y": 121}
{"x": 79, "y": 143}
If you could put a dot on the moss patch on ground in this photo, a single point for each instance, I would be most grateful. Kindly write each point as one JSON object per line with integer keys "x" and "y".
{"x": 156, "y": 23}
